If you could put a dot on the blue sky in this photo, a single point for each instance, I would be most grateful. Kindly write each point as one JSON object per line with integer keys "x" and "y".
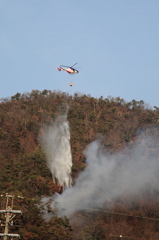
{"x": 115, "y": 42}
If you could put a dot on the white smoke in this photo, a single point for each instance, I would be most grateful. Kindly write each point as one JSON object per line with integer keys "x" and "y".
{"x": 109, "y": 176}
{"x": 56, "y": 144}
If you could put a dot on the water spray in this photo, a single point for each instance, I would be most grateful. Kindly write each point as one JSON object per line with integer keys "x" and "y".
{"x": 56, "y": 144}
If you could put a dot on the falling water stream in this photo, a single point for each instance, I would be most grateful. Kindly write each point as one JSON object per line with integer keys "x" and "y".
{"x": 56, "y": 143}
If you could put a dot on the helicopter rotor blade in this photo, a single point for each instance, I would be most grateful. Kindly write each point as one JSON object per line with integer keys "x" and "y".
{"x": 64, "y": 66}
{"x": 68, "y": 66}
{"x": 73, "y": 64}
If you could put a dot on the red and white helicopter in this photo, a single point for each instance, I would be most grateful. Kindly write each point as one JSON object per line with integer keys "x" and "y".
{"x": 68, "y": 69}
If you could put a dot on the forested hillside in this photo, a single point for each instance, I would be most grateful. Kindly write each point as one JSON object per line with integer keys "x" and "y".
{"x": 23, "y": 169}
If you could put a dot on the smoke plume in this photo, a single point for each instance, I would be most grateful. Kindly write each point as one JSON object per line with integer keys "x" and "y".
{"x": 108, "y": 176}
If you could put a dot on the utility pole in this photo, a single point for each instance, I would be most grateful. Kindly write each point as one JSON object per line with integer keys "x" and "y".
{"x": 9, "y": 214}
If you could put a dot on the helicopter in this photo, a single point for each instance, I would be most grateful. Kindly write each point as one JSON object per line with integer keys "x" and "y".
{"x": 68, "y": 69}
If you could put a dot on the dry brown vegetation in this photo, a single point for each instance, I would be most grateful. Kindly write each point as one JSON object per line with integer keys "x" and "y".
{"x": 23, "y": 168}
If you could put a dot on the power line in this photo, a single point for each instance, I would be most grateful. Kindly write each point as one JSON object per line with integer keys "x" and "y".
{"x": 122, "y": 236}
{"x": 122, "y": 214}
